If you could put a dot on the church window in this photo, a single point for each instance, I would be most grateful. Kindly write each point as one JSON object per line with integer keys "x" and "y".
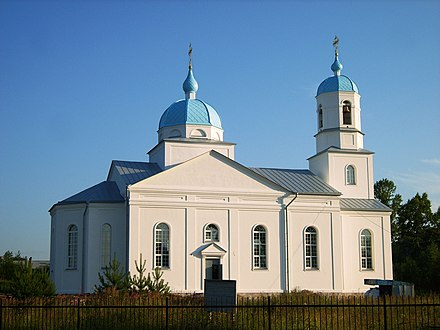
{"x": 320, "y": 120}
{"x": 198, "y": 133}
{"x": 310, "y": 248}
{"x": 106, "y": 241}
{"x": 366, "y": 250}
{"x": 162, "y": 246}
{"x": 259, "y": 247}
{"x": 72, "y": 247}
{"x": 211, "y": 233}
{"x": 350, "y": 175}
{"x": 346, "y": 113}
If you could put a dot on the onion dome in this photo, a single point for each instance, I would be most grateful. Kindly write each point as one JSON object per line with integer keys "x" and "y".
{"x": 190, "y": 84}
{"x": 337, "y": 82}
{"x": 191, "y": 110}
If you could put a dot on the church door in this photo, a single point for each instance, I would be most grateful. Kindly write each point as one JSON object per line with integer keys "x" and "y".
{"x": 213, "y": 269}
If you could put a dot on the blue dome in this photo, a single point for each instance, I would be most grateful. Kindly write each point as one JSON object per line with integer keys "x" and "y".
{"x": 337, "y": 83}
{"x": 190, "y": 111}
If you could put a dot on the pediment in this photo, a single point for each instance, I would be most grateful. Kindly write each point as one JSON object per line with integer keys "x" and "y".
{"x": 210, "y": 172}
{"x": 210, "y": 250}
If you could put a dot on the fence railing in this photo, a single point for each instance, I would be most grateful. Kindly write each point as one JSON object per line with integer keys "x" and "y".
{"x": 291, "y": 311}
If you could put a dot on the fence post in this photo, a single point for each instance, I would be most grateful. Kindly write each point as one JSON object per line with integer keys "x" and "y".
{"x": 1, "y": 313}
{"x": 166, "y": 313}
{"x": 385, "y": 326}
{"x": 78, "y": 320}
{"x": 268, "y": 310}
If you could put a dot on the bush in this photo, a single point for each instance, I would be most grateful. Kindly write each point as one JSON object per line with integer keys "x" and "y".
{"x": 28, "y": 282}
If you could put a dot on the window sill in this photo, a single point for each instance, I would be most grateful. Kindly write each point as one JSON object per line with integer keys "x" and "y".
{"x": 311, "y": 269}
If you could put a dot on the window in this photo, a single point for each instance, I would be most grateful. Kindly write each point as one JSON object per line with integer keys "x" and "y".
{"x": 198, "y": 133}
{"x": 162, "y": 245}
{"x": 259, "y": 247}
{"x": 106, "y": 241}
{"x": 320, "y": 120}
{"x": 310, "y": 248}
{"x": 366, "y": 250}
{"x": 346, "y": 113}
{"x": 350, "y": 175}
{"x": 72, "y": 247}
{"x": 211, "y": 233}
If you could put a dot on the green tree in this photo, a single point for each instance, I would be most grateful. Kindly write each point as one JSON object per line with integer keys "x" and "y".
{"x": 28, "y": 282}
{"x": 416, "y": 253}
{"x": 151, "y": 283}
{"x": 385, "y": 191}
{"x": 157, "y": 283}
{"x": 113, "y": 278}
{"x": 139, "y": 282}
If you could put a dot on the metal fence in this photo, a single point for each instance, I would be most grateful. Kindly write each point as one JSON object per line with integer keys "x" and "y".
{"x": 290, "y": 311}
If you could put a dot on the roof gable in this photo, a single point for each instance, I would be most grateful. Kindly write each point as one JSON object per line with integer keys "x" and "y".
{"x": 211, "y": 171}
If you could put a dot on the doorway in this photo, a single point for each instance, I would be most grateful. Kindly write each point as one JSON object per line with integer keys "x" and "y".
{"x": 213, "y": 269}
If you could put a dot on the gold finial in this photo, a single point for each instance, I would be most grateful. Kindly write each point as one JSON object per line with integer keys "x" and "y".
{"x": 190, "y": 50}
{"x": 336, "y": 44}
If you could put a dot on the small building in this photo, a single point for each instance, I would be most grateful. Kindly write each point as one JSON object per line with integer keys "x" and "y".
{"x": 196, "y": 213}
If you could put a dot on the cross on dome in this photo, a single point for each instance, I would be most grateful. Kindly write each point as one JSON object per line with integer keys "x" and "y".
{"x": 336, "y": 66}
{"x": 190, "y": 85}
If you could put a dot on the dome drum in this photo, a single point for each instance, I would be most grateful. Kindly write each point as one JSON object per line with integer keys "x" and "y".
{"x": 202, "y": 132}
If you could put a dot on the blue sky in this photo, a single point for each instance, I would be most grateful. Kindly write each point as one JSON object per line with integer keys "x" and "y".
{"x": 85, "y": 82}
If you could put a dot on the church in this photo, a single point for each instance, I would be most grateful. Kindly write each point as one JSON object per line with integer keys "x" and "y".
{"x": 197, "y": 214}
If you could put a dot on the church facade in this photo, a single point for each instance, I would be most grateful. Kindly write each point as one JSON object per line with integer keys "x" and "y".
{"x": 196, "y": 213}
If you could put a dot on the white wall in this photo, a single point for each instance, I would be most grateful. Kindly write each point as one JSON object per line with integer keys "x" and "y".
{"x": 379, "y": 225}
{"x": 322, "y": 214}
{"x": 66, "y": 280}
{"x": 88, "y": 219}
{"x": 98, "y": 215}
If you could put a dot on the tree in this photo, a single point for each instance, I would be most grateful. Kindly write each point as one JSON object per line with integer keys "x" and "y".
{"x": 151, "y": 283}
{"x": 18, "y": 278}
{"x": 416, "y": 253}
{"x": 28, "y": 282}
{"x": 385, "y": 191}
{"x": 415, "y": 237}
{"x": 114, "y": 278}
{"x": 138, "y": 282}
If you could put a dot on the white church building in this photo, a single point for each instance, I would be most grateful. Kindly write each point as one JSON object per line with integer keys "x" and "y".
{"x": 196, "y": 213}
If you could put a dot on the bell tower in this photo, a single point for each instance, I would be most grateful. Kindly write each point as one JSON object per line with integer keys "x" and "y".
{"x": 340, "y": 158}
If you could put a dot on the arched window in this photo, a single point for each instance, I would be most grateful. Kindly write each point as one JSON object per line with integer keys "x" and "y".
{"x": 366, "y": 250}
{"x": 198, "y": 133}
{"x": 162, "y": 245}
{"x": 320, "y": 120}
{"x": 346, "y": 113}
{"x": 106, "y": 243}
{"x": 211, "y": 233}
{"x": 72, "y": 247}
{"x": 310, "y": 248}
{"x": 350, "y": 175}
{"x": 259, "y": 247}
